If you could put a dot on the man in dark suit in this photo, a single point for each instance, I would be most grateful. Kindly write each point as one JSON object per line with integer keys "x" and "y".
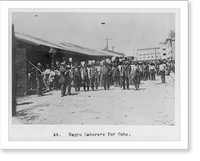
{"x": 105, "y": 75}
{"x": 136, "y": 77}
{"x": 63, "y": 78}
{"x": 127, "y": 73}
{"x": 84, "y": 76}
{"x": 69, "y": 78}
{"x": 122, "y": 75}
{"x": 77, "y": 77}
{"x": 94, "y": 75}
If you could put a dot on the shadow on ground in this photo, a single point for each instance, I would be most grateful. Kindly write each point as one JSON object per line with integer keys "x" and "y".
{"x": 24, "y": 103}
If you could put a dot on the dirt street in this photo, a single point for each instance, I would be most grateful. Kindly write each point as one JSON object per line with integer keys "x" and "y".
{"x": 154, "y": 104}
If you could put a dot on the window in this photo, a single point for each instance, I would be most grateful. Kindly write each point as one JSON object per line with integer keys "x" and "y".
{"x": 152, "y": 56}
{"x": 152, "y": 53}
{"x": 164, "y": 48}
{"x": 164, "y": 54}
{"x": 140, "y": 57}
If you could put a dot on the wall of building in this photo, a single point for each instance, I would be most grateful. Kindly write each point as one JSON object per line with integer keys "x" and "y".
{"x": 21, "y": 65}
{"x": 150, "y": 54}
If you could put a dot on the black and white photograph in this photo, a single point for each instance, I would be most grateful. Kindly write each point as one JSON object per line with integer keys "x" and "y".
{"x": 90, "y": 73}
{"x": 80, "y": 68}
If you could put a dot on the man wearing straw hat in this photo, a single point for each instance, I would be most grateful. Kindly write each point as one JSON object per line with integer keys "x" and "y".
{"x": 39, "y": 78}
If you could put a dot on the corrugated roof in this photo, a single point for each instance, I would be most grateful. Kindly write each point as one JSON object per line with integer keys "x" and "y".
{"x": 36, "y": 41}
{"x": 62, "y": 45}
{"x": 82, "y": 50}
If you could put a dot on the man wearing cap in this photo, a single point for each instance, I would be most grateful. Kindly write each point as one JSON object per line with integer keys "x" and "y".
{"x": 39, "y": 78}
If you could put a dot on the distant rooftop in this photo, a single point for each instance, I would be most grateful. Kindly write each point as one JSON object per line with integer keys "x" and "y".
{"x": 149, "y": 48}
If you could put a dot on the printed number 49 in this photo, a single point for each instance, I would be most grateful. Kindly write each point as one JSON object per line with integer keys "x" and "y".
{"x": 56, "y": 135}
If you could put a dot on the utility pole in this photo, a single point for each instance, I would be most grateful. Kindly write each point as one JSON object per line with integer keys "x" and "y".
{"x": 107, "y": 39}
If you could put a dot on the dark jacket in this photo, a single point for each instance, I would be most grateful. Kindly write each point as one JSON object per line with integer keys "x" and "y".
{"x": 63, "y": 75}
{"x": 127, "y": 70}
{"x": 38, "y": 74}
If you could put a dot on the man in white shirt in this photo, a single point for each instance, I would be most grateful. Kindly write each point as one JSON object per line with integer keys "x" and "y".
{"x": 46, "y": 77}
{"x": 52, "y": 80}
{"x": 162, "y": 68}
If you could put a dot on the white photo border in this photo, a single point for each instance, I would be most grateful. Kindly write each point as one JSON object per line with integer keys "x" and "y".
{"x": 44, "y": 134}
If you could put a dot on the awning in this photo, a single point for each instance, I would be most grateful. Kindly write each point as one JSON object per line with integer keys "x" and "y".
{"x": 36, "y": 41}
{"x": 64, "y": 46}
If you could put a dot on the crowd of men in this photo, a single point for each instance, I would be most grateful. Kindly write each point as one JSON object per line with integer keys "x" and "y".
{"x": 94, "y": 75}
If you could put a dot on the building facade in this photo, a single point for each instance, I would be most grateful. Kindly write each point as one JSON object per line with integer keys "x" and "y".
{"x": 164, "y": 51}
{"x": 148, "y": 54}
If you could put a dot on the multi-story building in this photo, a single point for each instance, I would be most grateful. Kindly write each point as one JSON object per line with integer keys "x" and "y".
{"x": 164, "y": 51}
{"x": 148, "y": 54}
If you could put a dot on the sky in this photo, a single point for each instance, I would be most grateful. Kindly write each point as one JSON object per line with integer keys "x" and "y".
{"x": 127, "y": 31}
